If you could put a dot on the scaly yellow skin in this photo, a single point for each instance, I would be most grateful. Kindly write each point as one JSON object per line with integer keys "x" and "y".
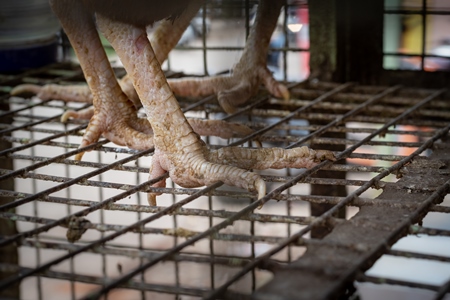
{"x": 178, "y": 149}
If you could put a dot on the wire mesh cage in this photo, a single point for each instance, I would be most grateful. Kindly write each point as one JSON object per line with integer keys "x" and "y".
{"x": 83, "y": 229}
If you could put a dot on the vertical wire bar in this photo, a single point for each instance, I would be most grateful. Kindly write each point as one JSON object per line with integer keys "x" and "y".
{"x": 140, "y": 236}
{"x": 69, "y": 212}
{"x": 424, "y": 33}
{"x": 249, "y": 118}
{"x": 204, "y": 32}
{"x": 211, "y": 247}
{"x": 211, "y": 224}
{"x": 286, "y": 40}
{"x": 289, "y": 208}
{"x": 102, "y": 221}
{"x": 252, "y": 232}
{"x": 36, "y": 213}
{"x": 175, "y": 243}
{"x": 252, "y": 223}
{"x": 253, "y": 252}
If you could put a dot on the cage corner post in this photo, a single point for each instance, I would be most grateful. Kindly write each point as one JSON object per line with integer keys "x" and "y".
{"x": 323, "y": 67}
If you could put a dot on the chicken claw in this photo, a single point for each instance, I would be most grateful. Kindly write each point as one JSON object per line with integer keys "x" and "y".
{"x": 247, "y": 76}
{"x": 178, "y": 149}
{"x": 231, "y": 90}
{"x": 244, "y": 159}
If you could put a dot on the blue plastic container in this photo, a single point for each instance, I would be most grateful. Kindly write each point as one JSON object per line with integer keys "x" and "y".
{"x": 28, "y": 35}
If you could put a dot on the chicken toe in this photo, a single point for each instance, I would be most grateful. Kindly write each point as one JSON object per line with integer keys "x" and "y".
{"x": 178, "y": 149}
{"x": 250, "y": 72}
{"x": 114, "y": 115}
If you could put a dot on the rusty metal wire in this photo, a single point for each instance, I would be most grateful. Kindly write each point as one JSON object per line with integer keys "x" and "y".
{"x": 228, "y": 218}
{"x": 93, "y": 210}
{"x": 246, "y": 214}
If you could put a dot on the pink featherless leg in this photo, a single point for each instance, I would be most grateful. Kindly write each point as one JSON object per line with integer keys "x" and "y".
{"x": 114, "y": 115}
{"x": 250, "y": 72}
{"x": 164, "y": 39}
{"x": 178, "y": 149}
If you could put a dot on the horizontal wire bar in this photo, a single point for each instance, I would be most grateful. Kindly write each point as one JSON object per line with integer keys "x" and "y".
{"x": 32, "y": 72}
{"x": 339, "y": 119}
{"x": 336, "y": 141}
{"x": 40, "y": 164}
{"x": 26, "y": 142}
{"x": 7, "y": 282}
{"x": 296, "y": 112}
{"x": 417, "y": 11}
{"x": 227, "y": 222}
{"x": 179, "y": 232}
{"x": 72, "y": 181}
{"x": 131, "y": 284}
{"x": 216, "y": 48}
{"x": 200, "y": 235}
{"x": 30, "y": 144}
{"x": 78, "y": 163}
{"x": 348, "y": 199}
{"x": 41, "y": 121}
{"x": 145, "y": 253}
{"x": 254, "y": 217}
{"x": 327, "y": 116}
{"x": 389, "y": 281}
{"x": 374, "y": 110}
{"x": 410, "y": 254}
{"x": 430, "y": 231}
{"x": 397, "y": 157}
{"x": 340, "y": 129}
{"x": 319, "y": 199}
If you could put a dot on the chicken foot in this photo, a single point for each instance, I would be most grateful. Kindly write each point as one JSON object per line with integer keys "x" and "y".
{"x": 251, "y": 70}
{"x": 114, "y": 115}
{"x": 178, "y": 149}
{"x": 202, "y": 127}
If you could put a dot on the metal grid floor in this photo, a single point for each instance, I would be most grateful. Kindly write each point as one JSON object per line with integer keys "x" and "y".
{"x": 84, "y": 228}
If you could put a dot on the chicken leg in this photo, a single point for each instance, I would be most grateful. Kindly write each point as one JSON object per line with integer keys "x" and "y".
{"x": 164, "y": 38}
{"x": 251, "y": 70}
{"x": 231, "y": 90}
{"x": 178, "y": 149}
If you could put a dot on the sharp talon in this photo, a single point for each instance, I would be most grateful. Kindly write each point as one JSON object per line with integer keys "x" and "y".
{"x": 84, "y": 114}
{"x": 151, "y": 198}
{"x": 260, "y": 186}
{"x": 79, "y": 156}
{"x": 258, "y": 143}
{"x": 285, "y": 94}
{"x": 67, "y": 115}
{"x": 225, "y": 103}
